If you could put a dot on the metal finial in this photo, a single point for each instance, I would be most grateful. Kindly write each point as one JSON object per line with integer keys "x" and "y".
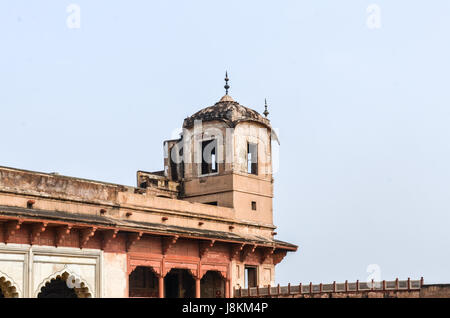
{"x": 266, "y": 112}
{"x": 226, "y": 83}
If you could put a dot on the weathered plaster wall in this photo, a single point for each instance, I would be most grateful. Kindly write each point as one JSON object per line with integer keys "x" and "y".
{"x": 115, "y": 275}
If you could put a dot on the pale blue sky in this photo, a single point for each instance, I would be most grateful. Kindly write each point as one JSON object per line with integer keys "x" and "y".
{"x": 363, "y": 115}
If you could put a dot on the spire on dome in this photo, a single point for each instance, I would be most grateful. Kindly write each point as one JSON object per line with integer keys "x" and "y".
{"x": 226, "y": 83}
{"x": 266, "y": 112}
{"x": 226, "y": 97}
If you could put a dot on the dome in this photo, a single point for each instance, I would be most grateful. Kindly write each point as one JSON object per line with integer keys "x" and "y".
{"x": 229, "y": 111}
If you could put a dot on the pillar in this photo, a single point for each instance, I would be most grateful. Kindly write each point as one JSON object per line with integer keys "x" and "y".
{"x": 197, "y": 287}
{"x": 161, "y": 286}
{"x": 227, "y": 288}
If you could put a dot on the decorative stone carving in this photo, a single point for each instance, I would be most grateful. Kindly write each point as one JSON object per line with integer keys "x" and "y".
{"x": 61, "y": 233}
{"x": 168, "y": 242}
{"x": 204, "y": 247}
{"x": 8, "y": 287}
{"x": 249, "y": 249}
{"x": 80, "y": 287}
{"x": 267, "y": 251}
{"x": 10, "y": 228}
{"x": 236, "y": 250}
{"x": 108, "y": 237}
{"x": 132, "y": 238}
{"x": 36, "y": 230}
{"x": 85, "y": 235}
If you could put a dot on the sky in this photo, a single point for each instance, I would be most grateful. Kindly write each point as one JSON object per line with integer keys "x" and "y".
{"x": 358, "y": 90}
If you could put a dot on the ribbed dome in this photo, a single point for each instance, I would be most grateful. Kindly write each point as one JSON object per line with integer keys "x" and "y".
{"x": 226, "y": 110}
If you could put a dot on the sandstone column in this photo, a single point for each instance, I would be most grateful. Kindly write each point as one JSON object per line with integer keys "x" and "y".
{"x": 197, "y": 287}
{"x": 161, "y": 286}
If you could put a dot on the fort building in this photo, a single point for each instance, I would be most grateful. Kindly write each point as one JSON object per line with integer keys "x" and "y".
{"x": 202, "y": 227}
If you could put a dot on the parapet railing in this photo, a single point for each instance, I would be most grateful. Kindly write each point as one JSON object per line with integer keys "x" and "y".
{"x": 274, "y": 291}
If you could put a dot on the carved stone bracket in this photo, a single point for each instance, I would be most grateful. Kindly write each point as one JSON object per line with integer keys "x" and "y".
{"x": 249, "y": 249}
{"x": 36, "y": 230}
{"x": 278, "y": 256}
{"x": 61, "y": 233}
{"x": 204, "y": 247}
{"x": 168, "y": 242}
{"x": 108, "y": 236}
{"x": 132, "y": 238}
{"x": 194, "y": 273}
{"x": 10, "y": 229}
{"x": 85, "y": 235}
{"x": 236, "y": 250}
{"x": 267, "y": 251}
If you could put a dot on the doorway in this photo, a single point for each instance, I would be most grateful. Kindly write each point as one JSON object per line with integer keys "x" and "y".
{"x": 179, "y": 283}
{"x": 212, "y": 285}
{"x": 250, "y": 277}
{"x": 143, "y": 282}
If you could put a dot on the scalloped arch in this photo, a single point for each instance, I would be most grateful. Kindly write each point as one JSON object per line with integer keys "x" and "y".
{"x": 8, "y": 286}
{"x": 83, "y": 291}
{"x": 222, "y": 274}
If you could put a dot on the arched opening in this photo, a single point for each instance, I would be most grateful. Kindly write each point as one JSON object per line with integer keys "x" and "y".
{"x": 64, "y": 285}
{"x": 179, "y": 283}
{"x": 143, "y": 282}
{"x": 212, "y": 285}
{"x": 7, "y": 289}
{"x": 57, "y": 288}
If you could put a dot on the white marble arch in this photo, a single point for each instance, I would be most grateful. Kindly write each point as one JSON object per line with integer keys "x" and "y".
{"x": 81, "y": 287}
{"x": 9, "y": 287}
